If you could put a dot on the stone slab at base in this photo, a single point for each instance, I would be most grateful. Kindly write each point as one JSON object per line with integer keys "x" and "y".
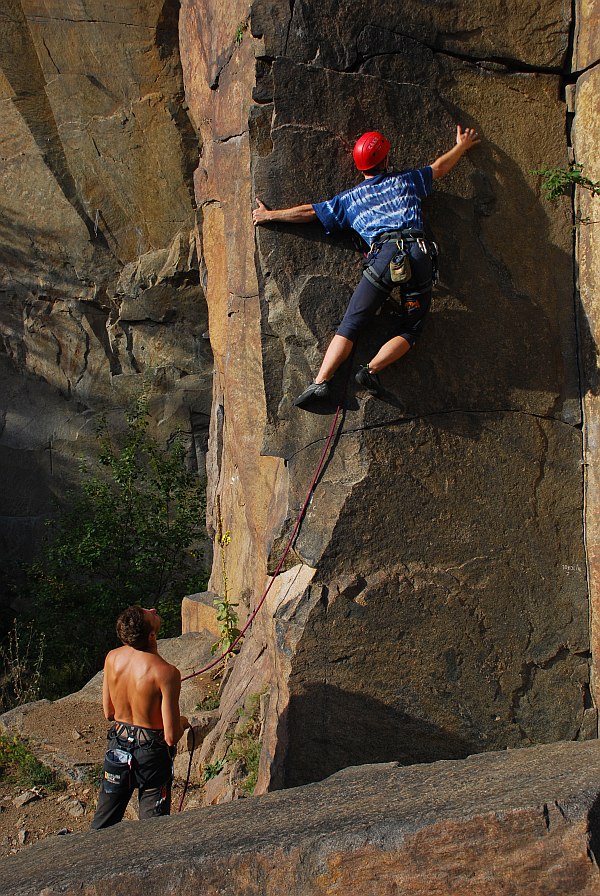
{"x": 520, "y": 821}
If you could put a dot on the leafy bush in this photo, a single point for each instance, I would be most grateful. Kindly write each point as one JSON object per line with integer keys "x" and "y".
{"x": 212, "y": 769}
{"x": 226, "y": 614}
{"x": 208, "y": 703}
{"x": 132, "y": 535}
{"x": 245, "y": 744}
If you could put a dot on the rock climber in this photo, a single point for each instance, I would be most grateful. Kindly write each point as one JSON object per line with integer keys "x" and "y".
{"x": 140, "y": 695}
{"x": 385, "y": 210}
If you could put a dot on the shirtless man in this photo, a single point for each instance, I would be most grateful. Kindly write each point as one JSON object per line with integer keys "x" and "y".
{"x": 140, "y": 695}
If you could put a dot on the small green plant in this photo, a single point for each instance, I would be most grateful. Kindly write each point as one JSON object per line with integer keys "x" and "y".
{"x": 21, "y": 657}
{"x": 226, "y": 614}
{"x": 247, "y": 750}
{"x": 239, "y": 33}
{"x": 19, "y": 766}
{"x": 92, "y": 774}
{"x": 558, "y": 181}
{"x": 208, "y": 703}
{"x": 212, "y": 769}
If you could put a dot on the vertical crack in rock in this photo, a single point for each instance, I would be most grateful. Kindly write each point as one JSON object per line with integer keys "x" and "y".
{"x": 128, "y": 332}
{"x": 543, "y": 459}
{"x": 546, "y": 814}
{"x": 24, "y": 74}
{"x": 86, "y": 352}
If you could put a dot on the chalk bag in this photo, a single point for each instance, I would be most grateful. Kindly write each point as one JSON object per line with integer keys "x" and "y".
{"x": 400, "y": 265}
{"x": 116, "y": 772}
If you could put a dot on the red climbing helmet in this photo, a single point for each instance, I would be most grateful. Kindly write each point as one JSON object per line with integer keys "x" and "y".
{"x": 369, "y": 150}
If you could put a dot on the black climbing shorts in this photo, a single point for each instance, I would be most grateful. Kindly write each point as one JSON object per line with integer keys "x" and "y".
{"x": 135, "y": 757}
{"x": 415, "y": 294}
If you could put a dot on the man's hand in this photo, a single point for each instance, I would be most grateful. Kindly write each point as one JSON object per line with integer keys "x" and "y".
{"x": 468, "y": 138}
{"x": 298, "y": 214}
{"x": 260, "y": 215}
{"x": 465, "y": 140}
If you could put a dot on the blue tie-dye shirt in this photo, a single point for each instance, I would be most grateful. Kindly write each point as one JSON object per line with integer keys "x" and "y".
{"x": 380, "y": 203}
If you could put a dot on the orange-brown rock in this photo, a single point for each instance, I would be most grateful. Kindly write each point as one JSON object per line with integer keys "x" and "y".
{"x": 586, "y": 135}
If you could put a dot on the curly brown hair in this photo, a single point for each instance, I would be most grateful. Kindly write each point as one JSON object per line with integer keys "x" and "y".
{"x": 133, "y": 628}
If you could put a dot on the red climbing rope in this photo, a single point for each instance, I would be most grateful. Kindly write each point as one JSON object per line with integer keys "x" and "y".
{"x": 283, "y": 556}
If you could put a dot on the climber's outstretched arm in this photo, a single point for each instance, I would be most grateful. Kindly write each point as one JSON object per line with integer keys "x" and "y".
{"x": 299, "y": 214}
{"x": 465, "y": 140}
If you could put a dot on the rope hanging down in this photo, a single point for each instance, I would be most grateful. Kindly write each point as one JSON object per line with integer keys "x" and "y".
{"x": 189, "y": 770}
{"x": 301, "y": 515}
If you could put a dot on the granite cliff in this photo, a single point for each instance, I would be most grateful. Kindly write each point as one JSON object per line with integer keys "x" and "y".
{"x": 441, "y": 598}
{"x": 438, "y": 603}
{"x": 101, "y": 289}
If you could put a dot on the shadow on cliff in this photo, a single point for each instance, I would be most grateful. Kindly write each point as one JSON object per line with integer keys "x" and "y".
{"x": 593, "y": 830}
{"x": 328, "y": 729}
{"x": 21, "y": 67}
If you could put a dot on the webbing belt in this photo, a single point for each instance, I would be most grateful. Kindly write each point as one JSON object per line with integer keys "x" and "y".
{"x": 409, "y": 234}
{"x": 137, "y": 735}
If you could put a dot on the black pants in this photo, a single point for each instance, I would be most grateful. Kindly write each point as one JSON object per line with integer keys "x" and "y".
{"x": 150, "y": 770}
{"x": 415, "y": 294}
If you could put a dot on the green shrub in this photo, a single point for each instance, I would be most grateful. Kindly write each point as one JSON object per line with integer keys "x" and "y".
{"x": 558, "y": 181}
{"x": 245, "y": 743}
{"x": 21, "y": 657}
{"x": 132, "y": 535}
{"x": 208, "y": 703}
{"x": 226, "y": 614}
{"x": 19, "y": 766}
{"x": 212, "y": 769}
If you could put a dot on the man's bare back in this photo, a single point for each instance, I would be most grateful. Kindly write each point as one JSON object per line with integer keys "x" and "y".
{"x": 142, "y": 689}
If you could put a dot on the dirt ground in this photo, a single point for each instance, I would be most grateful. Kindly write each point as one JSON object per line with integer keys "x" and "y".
{"x": 74, "y": 743}
{"x": 69, "y": 735}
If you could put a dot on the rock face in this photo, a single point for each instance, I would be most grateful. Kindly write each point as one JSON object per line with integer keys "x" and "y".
{"x": 524, "y": 821}
{"x": 100, "y": 285}
{"x": 439, "y": 600}
{"x": 436, "y": 599}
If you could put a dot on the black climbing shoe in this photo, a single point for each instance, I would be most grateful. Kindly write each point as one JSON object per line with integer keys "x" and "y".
{"x": 315, "y": 391}
{"x": 368, "y": 381}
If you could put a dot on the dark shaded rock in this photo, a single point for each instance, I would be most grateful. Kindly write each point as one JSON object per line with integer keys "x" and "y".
{"x": 340, "y": 34}
{"x": 435, "y": 533}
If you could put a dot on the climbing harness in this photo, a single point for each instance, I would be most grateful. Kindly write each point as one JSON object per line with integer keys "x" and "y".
{"x": 399, "y": 270}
